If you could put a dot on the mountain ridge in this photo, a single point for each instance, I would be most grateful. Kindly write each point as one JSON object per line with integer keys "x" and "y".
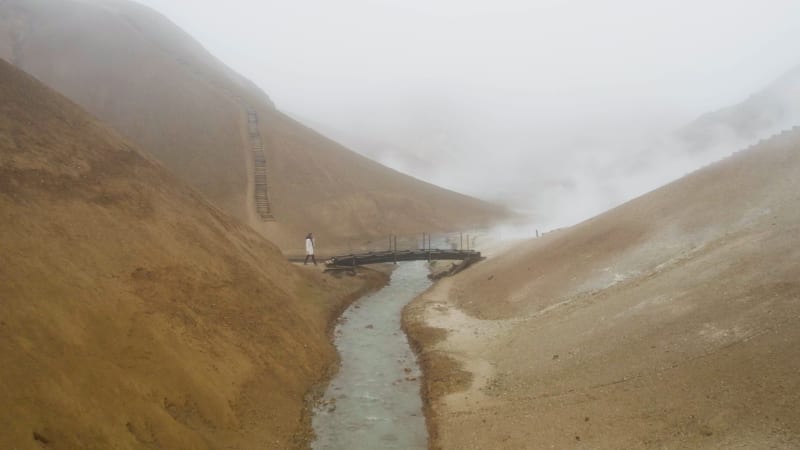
{"x": 181, "y": 106}
{"x": 770, "y": 109}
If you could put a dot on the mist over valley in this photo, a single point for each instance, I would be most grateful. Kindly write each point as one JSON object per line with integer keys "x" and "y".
{"x": 372, "y": 224}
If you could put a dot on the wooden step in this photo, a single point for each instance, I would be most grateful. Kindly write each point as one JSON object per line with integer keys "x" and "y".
{"x": 261, "y": 187}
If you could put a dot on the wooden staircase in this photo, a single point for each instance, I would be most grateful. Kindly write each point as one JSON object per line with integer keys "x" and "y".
{"x": 261, "y": 185}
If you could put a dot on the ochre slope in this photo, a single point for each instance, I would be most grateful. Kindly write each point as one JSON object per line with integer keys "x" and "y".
{"x": 133, "y": 314}
{"x": 325, "y": 187}
{"x": 138, "y": 72}
{"x": 664, "y": 323}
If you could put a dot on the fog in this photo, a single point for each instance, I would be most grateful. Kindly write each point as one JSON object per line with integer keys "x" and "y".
{"x": 559, "y": 109}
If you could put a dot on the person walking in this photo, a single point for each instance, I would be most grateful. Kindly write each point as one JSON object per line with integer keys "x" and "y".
{"x": 310, "y": 249}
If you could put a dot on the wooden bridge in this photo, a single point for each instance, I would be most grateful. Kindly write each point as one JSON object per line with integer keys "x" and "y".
{"x": 391, "y": 256}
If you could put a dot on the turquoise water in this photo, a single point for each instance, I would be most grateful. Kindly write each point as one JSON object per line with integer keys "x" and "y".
{"x": 374, "y": 401}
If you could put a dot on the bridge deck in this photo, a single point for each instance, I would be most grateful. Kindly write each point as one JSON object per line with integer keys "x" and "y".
{"x": 403, "y": 255}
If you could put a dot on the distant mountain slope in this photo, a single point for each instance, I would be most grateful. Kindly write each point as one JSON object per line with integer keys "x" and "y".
{"x": 775, "y": 107}
{"x": 733, "y": 196}
{"x": 667, "y": 322}
{"x": 324, "y": 186}
{"x": 133, "y": 313}
{"x": 137, "y": 71}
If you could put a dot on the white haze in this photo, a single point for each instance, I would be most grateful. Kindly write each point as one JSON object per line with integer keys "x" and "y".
{"x": 558, "y": 108}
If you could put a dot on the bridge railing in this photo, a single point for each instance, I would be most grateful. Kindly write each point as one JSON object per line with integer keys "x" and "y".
{"x": 466, "y": 240}
{"x": 420, "y": 241}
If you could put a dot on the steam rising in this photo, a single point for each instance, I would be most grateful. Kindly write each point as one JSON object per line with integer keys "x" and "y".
{"x": 561, "y": 109}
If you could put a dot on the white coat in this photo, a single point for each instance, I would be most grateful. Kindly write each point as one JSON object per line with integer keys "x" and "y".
{"x": 309, "y": 246}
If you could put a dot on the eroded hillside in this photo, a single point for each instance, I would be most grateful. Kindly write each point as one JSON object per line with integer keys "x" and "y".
{"x": 133, "y": 313}
{"x": 664, "y": 323}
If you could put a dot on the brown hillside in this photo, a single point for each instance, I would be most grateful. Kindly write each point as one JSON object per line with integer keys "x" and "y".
{"x": 133, "y": 314}
{"x": 138, "y": 72}
{"x": 667, "y": 322}
{"x": 324, "y": 186}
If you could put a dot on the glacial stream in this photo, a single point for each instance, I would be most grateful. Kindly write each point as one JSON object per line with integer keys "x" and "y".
{"x": 374, "y": 401}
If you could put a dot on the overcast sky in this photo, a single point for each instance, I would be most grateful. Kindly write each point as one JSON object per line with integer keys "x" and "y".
{"x": 453, "y": 89}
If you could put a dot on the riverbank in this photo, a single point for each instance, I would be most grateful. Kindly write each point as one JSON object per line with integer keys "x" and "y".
{"x": 445, "y": 342}
{"x": 453, "y": 350}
